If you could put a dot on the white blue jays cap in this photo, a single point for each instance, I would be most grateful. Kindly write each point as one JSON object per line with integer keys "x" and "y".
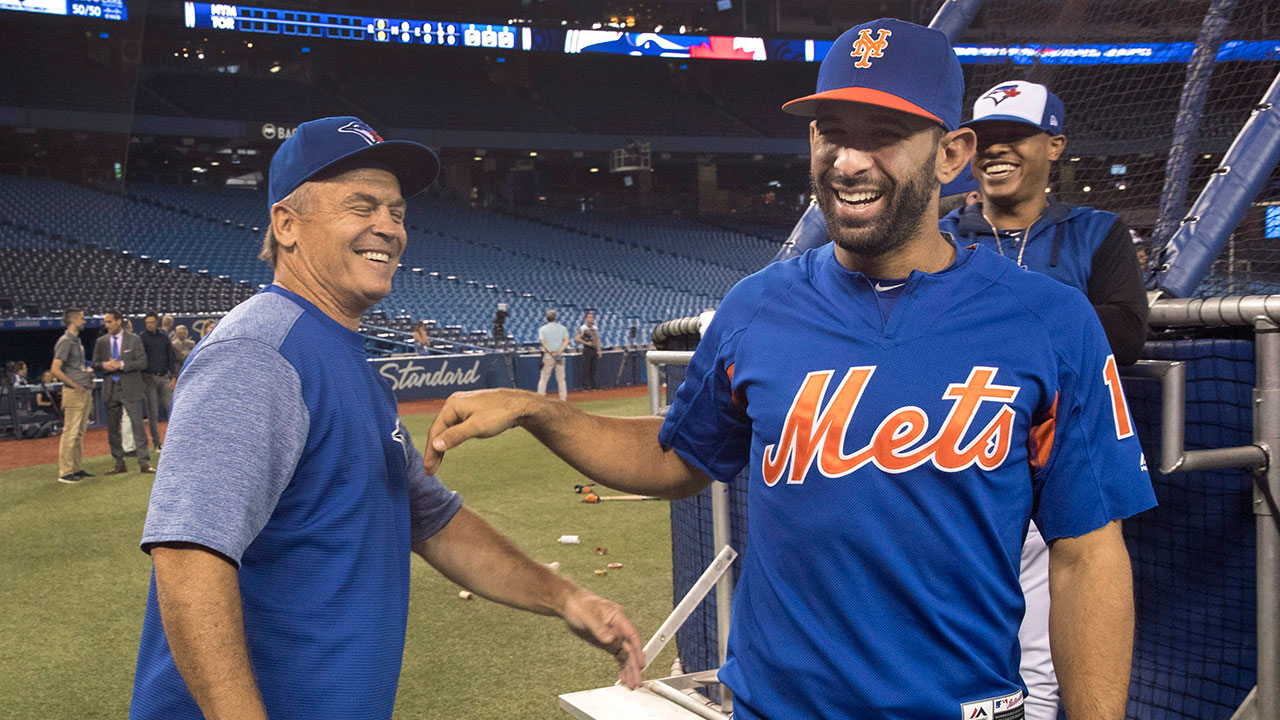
{"x": 892, "y": 64}
{"x": 1021, "y": 102}
{"x": 319, "y": 145}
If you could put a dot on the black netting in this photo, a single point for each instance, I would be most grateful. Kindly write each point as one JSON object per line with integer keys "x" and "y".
{"x": 1195, "y": 651}
{"x": 1122, "y": 119}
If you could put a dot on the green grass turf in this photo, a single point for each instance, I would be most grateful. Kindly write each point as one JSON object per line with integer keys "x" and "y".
{"x": 73, "y": 587}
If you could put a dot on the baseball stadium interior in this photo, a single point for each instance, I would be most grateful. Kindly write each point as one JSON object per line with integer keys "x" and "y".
{"x": 591, "y": 161}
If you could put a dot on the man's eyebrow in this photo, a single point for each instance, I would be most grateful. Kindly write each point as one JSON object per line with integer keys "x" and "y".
{"x": 358, "y": 197}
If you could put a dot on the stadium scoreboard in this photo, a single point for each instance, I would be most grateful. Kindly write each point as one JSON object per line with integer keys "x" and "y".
{"x": 326, "y": 25}
{"x": 96, "y": 9}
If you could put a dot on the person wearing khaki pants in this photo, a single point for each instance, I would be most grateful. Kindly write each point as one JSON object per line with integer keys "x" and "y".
{"x": 77, "y": 396}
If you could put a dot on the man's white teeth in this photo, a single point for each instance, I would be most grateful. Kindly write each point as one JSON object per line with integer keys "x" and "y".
{"x": 376, "y": 256}
{"x": 997, "y": 169}
{"x": 858, "y": 197}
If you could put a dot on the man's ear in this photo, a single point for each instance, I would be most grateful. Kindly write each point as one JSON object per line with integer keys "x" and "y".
{"x": 1057, "y": 145}
{"x": 284, "y": 223}
{"x": 954, "y": 152}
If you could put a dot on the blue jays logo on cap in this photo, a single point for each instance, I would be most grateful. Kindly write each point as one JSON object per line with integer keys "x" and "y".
{"x": 998, "y": 95}
{"x": 335, "y": 143}
{"x": 358, "y": 128}
{"x": 892, "y": 64}
{"x": 1020, "y": 101}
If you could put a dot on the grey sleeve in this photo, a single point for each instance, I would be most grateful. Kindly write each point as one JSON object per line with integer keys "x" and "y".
{"x": 62, "y": 351}
{"x": 431, "y": 504}
{"x": 238, "y": 427}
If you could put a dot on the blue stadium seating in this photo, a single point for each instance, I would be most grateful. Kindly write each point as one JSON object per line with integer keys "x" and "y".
{"x": 461, "y": 262}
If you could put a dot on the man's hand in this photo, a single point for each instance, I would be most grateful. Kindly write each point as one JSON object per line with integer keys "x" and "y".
{"x": 475, "y": 414}
{"x": 602, "y": 623}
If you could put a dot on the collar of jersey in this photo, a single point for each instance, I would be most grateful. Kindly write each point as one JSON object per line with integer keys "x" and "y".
{"x": 348, "y": 337}
{"x": 844, "y": 287}
{"x": 827, "y": 262}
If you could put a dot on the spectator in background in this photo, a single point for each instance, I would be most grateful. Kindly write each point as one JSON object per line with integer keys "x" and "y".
{"x": 71, "y": 370}
{"x": 182, "y": 345}
{"x": 48, "y": 400}
{"x": 1020, "y": 128}
{"x": 17, "y": 373}
{"x": 166, "y": 327}
{"x": 589, "y": 338}
{"x": 120, "y": 357}
{"x": 209, "y": 325}
{"x": 554, "y": 339}
{"x": 421, "y": 341}
{"x": 157, "y": 378}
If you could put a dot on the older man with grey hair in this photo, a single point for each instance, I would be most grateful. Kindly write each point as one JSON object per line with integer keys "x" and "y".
{"x": 281, "y": 540}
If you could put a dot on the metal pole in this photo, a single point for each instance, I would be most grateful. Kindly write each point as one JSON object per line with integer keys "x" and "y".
{"x": 954, "y": 16}
{"x": 1182, "y": 150}
{"x": 1266, "y": 416}
{"x": 720, "y": 532}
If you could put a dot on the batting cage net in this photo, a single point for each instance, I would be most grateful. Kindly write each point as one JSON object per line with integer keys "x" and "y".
{"x": 1144, "y": 136}
{"x": 1145, "y": 131}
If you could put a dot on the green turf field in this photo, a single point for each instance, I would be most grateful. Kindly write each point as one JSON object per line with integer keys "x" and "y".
{"x": 73, "y": 588}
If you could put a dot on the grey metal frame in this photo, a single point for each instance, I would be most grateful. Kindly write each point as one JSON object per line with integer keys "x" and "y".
{"x": 720, "y": 519}
{"x": 1262, "y": 313}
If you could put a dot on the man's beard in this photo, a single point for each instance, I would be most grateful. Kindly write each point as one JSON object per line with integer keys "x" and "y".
{"x": 903, "y": 216}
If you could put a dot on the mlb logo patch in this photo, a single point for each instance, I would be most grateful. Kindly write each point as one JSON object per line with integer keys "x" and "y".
{"x": 1005, "y": 707}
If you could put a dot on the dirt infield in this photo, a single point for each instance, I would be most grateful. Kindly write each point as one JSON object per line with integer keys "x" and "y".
{"x": 25, "y": 453}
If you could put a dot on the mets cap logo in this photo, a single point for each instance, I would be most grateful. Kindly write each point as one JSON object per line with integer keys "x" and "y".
{"x": 998, "y": 95}
{"x": 364, "y": 131}
{"x": 864, "y": 48}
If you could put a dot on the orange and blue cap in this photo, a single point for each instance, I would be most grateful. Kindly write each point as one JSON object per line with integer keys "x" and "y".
{"x": 892, "y": 64}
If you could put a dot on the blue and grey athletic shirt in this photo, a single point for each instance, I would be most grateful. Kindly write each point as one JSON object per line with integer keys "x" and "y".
{"x": 286, "y": 456}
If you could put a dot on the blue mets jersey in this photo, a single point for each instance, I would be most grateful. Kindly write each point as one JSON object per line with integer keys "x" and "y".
{"x": 285, "y": 455}
{"x": 895, "y": 463}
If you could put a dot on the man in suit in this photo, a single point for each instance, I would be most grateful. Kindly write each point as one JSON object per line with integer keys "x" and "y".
{"x": 121, "y": 358}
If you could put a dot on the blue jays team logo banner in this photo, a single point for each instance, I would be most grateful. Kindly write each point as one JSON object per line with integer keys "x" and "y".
{"x": 438, "y": 376}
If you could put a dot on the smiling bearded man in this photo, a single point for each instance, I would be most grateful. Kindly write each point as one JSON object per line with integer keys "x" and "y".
{"x": 905, "y": 411}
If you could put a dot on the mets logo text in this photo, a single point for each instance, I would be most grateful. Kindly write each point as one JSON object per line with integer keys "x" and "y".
{"x": 813, "y": 431}
{"x": 867, "y": 48}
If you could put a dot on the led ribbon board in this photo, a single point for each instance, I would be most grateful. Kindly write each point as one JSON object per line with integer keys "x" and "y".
{"x": 323, "y": 25}
{"x": 97, "y": 9}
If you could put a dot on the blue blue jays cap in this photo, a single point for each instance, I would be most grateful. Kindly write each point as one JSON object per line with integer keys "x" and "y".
{"x": 964, "y": 183}
{"x": 1021, "y": 102}
{"x": 319, "y": 145}
{"x": 893, "y": 64}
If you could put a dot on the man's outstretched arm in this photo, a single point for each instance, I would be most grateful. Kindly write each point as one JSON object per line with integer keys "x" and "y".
{"x": 471, "y": 553}
{"x": 1091, "y": 621}
{"x": 619, "y": 452}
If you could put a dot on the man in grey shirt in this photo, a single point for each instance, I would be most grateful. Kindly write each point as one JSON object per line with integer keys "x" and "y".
{"x": 77, "y": 396}
{"x": 281, "y": 540}
{"x": 554, "y": 339}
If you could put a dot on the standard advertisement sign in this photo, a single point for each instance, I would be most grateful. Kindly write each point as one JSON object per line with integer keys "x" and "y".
{"x": 438, "y": 376}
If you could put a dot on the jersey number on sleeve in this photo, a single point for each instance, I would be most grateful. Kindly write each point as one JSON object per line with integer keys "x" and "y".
{"x": 1119, "y": 410}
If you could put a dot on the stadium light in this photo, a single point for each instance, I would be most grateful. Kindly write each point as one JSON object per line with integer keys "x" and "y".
{"x": 1086, "y": 188}
{"x": 595, "y": 170}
